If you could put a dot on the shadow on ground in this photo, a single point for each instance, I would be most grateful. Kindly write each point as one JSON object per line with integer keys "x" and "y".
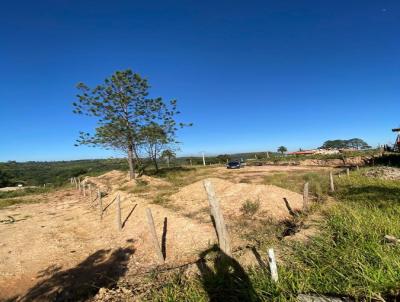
{"x": 225, "y": 279}
{"x": 101, "y": 269}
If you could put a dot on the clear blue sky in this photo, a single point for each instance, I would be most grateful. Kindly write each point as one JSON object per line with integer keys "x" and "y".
{"x": 250, "y": 75}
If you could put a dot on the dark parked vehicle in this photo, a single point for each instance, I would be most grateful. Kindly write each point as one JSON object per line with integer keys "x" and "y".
{"x": 233, "y": 165}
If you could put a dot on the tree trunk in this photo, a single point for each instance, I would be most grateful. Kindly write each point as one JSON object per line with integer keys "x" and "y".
{"x": 137, "y": 160}
{"x": 168, "y": 159}
{"x": 155, "y": 162}
{"x": 131, "y": 163}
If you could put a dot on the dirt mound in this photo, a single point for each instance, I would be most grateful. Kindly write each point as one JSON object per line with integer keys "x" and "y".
{"x": 192, "y": 199}
{"x": 323, "y": 162}
{"x": 384, "y": 173}
{"x": 67, "y": 239}
{"x": 114, "y": 180}
{"x": 351, "y": 161}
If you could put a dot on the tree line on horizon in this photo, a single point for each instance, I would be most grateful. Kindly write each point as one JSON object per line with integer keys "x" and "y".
{"x": 353, "y": 143}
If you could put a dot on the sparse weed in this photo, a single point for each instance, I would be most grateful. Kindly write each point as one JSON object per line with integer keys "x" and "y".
{"x": 250, "y": 208}
{"x": 24, "y": 192}
{"x": 13, "y": 201}
{"x": 161, "y": 199}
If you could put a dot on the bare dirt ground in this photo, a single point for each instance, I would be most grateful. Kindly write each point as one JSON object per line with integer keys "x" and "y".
{"x": 51, "y": 249}
{"x": 390, "y": 173}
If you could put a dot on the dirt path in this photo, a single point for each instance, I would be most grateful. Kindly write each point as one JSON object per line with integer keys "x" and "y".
{"x": 49, "y": 238}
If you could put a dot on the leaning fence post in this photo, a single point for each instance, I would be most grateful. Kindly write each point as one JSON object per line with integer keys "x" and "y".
{"x": 223, "y": 236}
{"x": 305, "y": 197}
{"x": 100, "y": 204}
{"x": 272, "y": 265}
{"x": 331, "y": 181}
{"x": 154, "y": 236}
{"x": 118, "y": 203}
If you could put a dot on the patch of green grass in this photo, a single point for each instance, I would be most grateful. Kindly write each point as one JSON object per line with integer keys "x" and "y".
{"x": 10, "y": 202}
{"x": 294, "y": 181}
{"x": 182, "y": 176}
{"x": 140, "y": 187}
{"x": 348, "y": 258}
{"x": 161, "y": 199}
{"x": 24, "y": 192}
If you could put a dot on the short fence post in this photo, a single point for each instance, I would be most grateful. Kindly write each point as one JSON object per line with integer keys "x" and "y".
{"x": 84, "y": 189}
{"x": 358, "y": 168}
{"x": 223, "y": 236}
{"x": 90, "y": 191}
{"x": 272, "y": 265}
{"x": 100, "y": 203}
{"x": 348, "y": 172}
{"x": 79, "y": 185}
{"x": 331, "y": 182}
{"x": 119, "y": 213}
{"x": 76, "y": 183}
{"x": 305, "y": 197}
{"x": 154, "y": 236}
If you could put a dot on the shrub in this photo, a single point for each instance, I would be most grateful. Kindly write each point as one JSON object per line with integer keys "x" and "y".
{"x": 250, "y": 208}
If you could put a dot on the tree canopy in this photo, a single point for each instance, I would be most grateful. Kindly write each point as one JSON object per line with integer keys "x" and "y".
{"x": 127, "y": 119}
{"x": 282, "y": 149}
{"x": 355, "y": 143}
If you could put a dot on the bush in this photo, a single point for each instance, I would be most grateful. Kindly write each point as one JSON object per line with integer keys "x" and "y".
{"x": 250, "y": 208}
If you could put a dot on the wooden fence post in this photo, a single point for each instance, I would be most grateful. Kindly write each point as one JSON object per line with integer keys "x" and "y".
{"x": 358, "y": 168}
{"x": 154, "y": 236}
{"x": 272, "y": 265}
{"x": 100, "y": 204}
{"x": 118, "y": 203}
{"x": 223, "y": 236}
{"x": 305, "y": 197}
{"x": 331, "y": 182}
{"x": 79, "y": 185}
{"x": 348, "y": 172}
{"x": 90, "y": 191}
{"x": 76, "y": 183}
{"x": 84, "y": 189}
